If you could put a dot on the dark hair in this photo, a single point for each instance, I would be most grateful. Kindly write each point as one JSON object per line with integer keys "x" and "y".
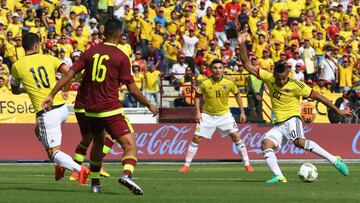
{"x": 216, "y": 61}
{"x": 112, "y": 27}
{"x": 280, "y": 67}
{"x": 29, "y": 40}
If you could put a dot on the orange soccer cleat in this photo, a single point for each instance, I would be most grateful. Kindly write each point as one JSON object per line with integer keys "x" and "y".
{"x": 184, "y": 169}
{"x": 74, "y": 176}
{"x": 59, "y": 172}
{"x": 83, "y": 175}
{"x": 249, "y": 168}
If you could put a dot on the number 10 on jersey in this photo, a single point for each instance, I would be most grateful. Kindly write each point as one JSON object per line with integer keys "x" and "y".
{"x": 99, "y": 69}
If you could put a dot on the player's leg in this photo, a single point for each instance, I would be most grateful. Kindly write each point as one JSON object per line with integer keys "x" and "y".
{"x": 273, "y": 139}
{"x": 191, "y": 152}
{"x": 228, "y": 126}
{"x": 297, "y": 134}
{"x": 242, "y": 151}
{"x": 108, "y": 143}
{"x": 205, "y": 129}
{"x": 120, "y": 129}
{"x": 49, "y": 133}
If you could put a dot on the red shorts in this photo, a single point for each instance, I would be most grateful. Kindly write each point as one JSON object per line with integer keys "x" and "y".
{"x": 83, "y": 123}
{"x": 116, "y": 126}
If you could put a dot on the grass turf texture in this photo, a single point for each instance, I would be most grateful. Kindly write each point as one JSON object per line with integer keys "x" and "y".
{"x": 162, "y": 183}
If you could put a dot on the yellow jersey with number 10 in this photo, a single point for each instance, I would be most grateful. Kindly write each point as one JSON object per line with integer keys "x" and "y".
{"x": 216, "y": 95}
{"x": 37, "y": 73}
{"x": 285, "y": 100}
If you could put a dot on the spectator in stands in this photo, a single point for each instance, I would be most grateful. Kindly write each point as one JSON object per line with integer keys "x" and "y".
{"x": 308, "y": 111}
{"x": 152, "y": 77}
{"x": 9, "y": 55}
{"x": 189, "y": 44}
{"x": 220, "y": 22}
{"x": 64, "y": 58}
{"x": 153, "y": 56}
{"x": 3, "y": 87}
{"x": 19, "y": 50}
{"x": 124, "y": 46}
{"x": 345, "y": 75}
{"x": 79, "y": 9}
{"x": 295, "y": 60}
{"x": 4, "y": 70}
{"x": 63, "y": 44}
{"x": 298, "y": 74}
{"x": 266, "y": 62}
{"x": 142, "y": 63}
{"x": 308, "y": 55}
{"x": 255, "y": 89}
{"x": 321, "y": 86}
{"x": 171, "y": 47}
{"x": 95, "y": 40}
{"x": 178, "y": 70}
{"x": 186, "y": 95}
{"x": 139, "y": 79}
{"x": 329, "y": 70}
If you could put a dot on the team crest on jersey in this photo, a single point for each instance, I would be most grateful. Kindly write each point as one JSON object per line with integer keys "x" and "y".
{"x": 224, "y": 87}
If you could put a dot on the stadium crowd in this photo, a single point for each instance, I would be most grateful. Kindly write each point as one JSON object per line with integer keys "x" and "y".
{"x": 177, "y": 40}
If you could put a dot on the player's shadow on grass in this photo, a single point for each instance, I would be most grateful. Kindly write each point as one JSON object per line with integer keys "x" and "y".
{"x": 56, "y": 190}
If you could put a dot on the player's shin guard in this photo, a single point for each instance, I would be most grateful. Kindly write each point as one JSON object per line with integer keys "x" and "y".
{"x": 66, "y": 161}
{"x": 95, "y": 172}
{"x": 271, "y": 161}
{"x": 80, "y": 153}
{"x": 129, "y": 163}
{"x": 192, "y": 150}
{"x": 240, "y": 146}
{"x": 108, "y": 143}
{"x": 316, "y": 149}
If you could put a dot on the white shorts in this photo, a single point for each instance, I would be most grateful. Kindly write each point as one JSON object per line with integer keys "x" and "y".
{"x": 288, "y": 130}
{"x": 206, "y": 128}
{"x": 50, "y": 126}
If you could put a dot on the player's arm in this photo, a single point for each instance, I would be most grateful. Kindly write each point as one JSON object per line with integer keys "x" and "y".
{"x": 244, "y": 57}
{"x": 136, "y": 93}
{"x": 63, "y": 69}
{"x": 15, "y": 87}
{"x": 197, "y": 108}
{"x": 318, "y": 97}
{"x": 241, "y": 107}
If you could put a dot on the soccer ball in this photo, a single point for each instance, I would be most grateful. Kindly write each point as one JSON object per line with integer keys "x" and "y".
{"x": 308, "y": 172}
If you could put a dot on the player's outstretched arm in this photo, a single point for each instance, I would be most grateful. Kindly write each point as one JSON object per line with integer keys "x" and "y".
{"x": 244, "y": 57}
{"x": 46, "y": 104}
{"x": 136, "y": 93}
{"x": 240, "y": 104}
{"x": 318, "y": 97}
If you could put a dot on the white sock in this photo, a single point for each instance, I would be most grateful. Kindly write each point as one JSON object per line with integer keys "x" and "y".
{"x": 243, "y": 152}
{"x": 271, "y": 161}
{"x": 316, "y": 149}
{"x": 193, "y": 147}
{"x": 66, "y": 161}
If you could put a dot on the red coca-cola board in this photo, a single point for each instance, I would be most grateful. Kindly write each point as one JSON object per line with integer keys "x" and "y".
{"x": 170, "y": 142}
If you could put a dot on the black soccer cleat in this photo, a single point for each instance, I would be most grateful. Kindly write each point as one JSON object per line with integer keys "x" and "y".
{"x": 131, "y": 185}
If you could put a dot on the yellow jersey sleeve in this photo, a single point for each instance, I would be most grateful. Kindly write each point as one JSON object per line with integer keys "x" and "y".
{"x": 303, "y": 89}
{"x": 199, "y": 90}
{"x": 234, "y": 88}
{"x": 264, "y": 75}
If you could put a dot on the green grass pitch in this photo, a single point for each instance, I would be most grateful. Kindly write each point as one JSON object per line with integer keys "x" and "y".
{"x": 162, "y": 183}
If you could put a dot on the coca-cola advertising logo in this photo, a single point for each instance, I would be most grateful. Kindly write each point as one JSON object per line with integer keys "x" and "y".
{"x": 168, "y": 139}
{"x": 355, "y": 146}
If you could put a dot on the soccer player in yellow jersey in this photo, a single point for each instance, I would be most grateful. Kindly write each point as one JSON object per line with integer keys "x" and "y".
{"x": 216, "y": 114}
{"x": 284, "y": 95}
{"x": 37, "y": 73}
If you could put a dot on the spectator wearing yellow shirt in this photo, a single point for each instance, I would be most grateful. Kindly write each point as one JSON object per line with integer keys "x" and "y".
{"x": 19, "y": 50}
{"x": 146, "y": 26}
{"x": 15, "y": 26}
{"x": 49, "y": 4}
{"x": 259, "y": 47}
{"x": 171, "y": 47}
{"x": 276, "y": 9}
{"x": 321, "y": 86}
{"x": 139, "y": 80}
{"x": 65, "y": 46}
{"x": 9, "y": 53}
{"x": 3, "y": 87}
{"x": 275, "y": 51}
{"x": 345, "y": 75}
{"x": 279, "y": 34}
{"x": 266, "y": 62}
{"x": 203, "y": 37}
{"x": 29, "y": 20}
{"x": 209, "y": 20}
{"x": 4, "y": 70}
{"x": 294, "y": 10}
{"x": 152, "y": 77}
{"x": 306, "y": 30}
{"x": 173, "y": 23}
{"x": 80, "y": 38}
{"x": 79, "y": 9}
{"x": 319, "y": 44}
{"x": 124, "y": 46}
{"x": 158, "y": 37}
{"x": 346, "y": 32}
{"x": 212, "y": 53}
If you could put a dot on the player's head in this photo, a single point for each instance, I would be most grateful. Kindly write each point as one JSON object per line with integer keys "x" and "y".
{"x": 217, "y": 68}
{"x": 281, "y": 74}
{"x": 31, "y": 42}
{"x": 113, "y": 30}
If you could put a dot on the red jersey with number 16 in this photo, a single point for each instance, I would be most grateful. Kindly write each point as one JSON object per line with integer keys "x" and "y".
{"x": 106, "y": 66}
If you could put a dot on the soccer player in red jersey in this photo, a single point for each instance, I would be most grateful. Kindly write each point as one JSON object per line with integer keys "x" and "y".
{"x": 106, "y": 68}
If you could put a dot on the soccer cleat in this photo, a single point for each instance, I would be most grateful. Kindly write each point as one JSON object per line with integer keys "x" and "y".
{"x": 249, "y": 168}
{"x": 103, "y": 173}
{"x": 341, "y": 166}
{"x": 59, "y": 172}
{"x": 277, "y": 179}
{"x": 83, "y": 175}
{"x": 184, "y": 169}
{"x": 95, "y": 189}
{"x": 74, "y": 176}
{"x": 131, "y": 185}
